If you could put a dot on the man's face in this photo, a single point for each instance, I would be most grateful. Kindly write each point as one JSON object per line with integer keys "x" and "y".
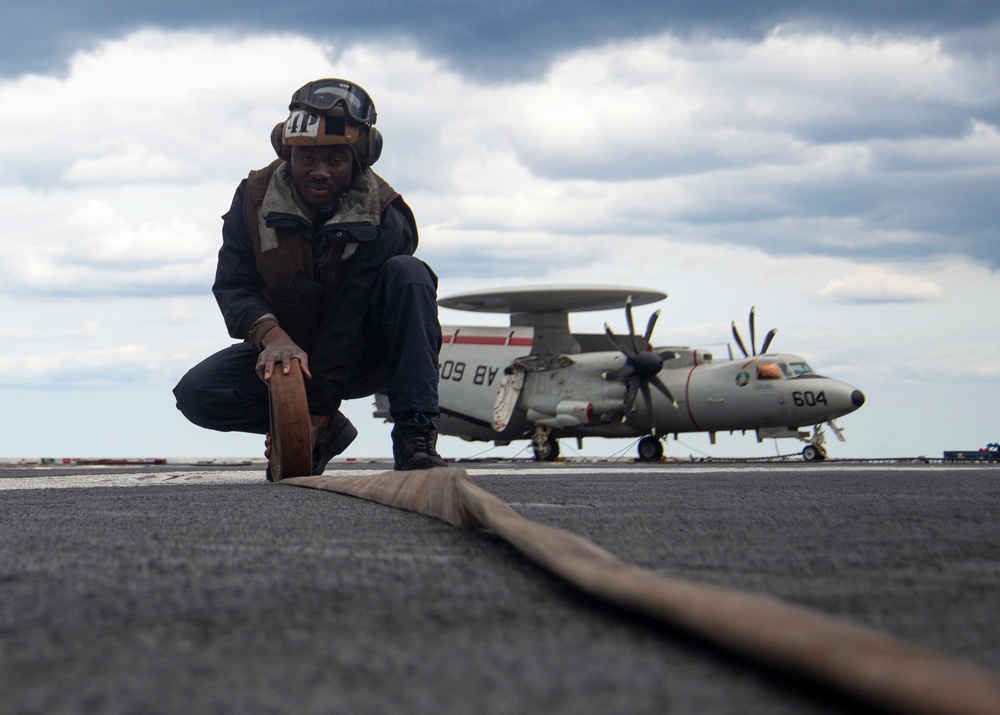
{"x": 321, "y": 173}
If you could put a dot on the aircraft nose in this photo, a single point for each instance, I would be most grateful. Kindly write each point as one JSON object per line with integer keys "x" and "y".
{"x": 857, "y": 398}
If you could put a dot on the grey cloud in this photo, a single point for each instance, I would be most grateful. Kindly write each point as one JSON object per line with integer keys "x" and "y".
{"x": 945, "y": 215}
{"x": 493, "y": 261}
{"x": 877, "y": 219}
{"x": 490, "y": 40}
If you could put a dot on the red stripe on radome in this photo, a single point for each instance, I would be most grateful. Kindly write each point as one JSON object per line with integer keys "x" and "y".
{"x": 464, "y": 338}
{"x": 481, "y": 339}
{"x": 486, "y": 340}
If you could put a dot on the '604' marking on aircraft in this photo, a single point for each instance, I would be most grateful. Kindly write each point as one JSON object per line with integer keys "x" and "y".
{"x": 538, "y": 381}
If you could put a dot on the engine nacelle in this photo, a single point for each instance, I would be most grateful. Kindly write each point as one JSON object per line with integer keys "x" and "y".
{"x": 573, "y": 413}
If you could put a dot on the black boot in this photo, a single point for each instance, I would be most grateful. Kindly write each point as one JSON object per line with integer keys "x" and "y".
{"x": 334, "y": 439}
{"x": 414, "y": 439}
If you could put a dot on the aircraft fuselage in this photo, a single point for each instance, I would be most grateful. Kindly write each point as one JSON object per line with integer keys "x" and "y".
{"x": 568, "y": 394}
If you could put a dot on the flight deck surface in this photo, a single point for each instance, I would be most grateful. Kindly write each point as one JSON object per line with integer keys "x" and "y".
{"x": 206, "y": 589}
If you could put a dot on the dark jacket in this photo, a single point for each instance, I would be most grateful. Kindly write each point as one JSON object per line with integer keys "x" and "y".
{"x": 292, "y": 265}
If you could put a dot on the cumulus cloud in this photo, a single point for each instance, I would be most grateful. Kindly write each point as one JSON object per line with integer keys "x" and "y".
{"x": 185, "y": 105}
{"x": 800, "y": 143}
{"x": 101, "y": 236}
{"x": 117, "y": 366}
{"x": 872, "y": 285}
{"x": 24, "y": 334}
{"x": 129, "y": 163}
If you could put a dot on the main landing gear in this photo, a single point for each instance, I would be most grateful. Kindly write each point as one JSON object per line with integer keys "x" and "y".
{"x": 650, "y": 449}
{"x": 544, "y": 444}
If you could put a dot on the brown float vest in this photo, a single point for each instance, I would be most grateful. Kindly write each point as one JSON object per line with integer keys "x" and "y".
{"x": 295, "y": 283}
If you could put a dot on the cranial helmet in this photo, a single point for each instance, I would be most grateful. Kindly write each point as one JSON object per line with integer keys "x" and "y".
{"x": 330, "y": 111}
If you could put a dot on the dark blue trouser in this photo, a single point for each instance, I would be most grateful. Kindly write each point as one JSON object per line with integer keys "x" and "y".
{"x": 223, "y": 392}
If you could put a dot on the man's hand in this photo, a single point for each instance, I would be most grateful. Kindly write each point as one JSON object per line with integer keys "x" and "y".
{"x": 278, "y": 348}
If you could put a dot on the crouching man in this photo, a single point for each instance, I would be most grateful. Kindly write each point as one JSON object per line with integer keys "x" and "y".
{"x": 317, "y": 266}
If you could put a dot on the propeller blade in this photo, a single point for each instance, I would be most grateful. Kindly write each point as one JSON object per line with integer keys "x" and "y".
{"x": 767, "y": 340}
{"x": 631, "y": 387}
{"x": 729, "y": 345}
{"x": 611, "y": 337}
{"x": 668, "y": 355}
{"x": 624, "y": 371}
{"x": 658, "y": 384}
{"x": 644, "y": 386}
{"x": 649, "y": 327}
{"x": 631, "y": 323}
{"x": 739, "y": 341}
{"x": 753, "y": 330}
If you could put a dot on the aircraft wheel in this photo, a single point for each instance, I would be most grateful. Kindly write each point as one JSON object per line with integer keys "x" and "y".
{"x": 650, "y": 449}
{"x": 812, "y": 453}
{"x": 547, "y": 451}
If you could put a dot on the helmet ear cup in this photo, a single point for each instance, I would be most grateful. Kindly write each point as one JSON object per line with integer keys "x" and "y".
{"x": 278, "y": 145}
{"x": 374, "y": 148}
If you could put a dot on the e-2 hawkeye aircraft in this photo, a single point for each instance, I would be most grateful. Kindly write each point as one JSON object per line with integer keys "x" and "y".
{"x": 536, "y": 380}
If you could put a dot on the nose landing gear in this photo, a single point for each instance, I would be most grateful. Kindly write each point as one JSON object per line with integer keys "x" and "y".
{"x": 814, "y": 451}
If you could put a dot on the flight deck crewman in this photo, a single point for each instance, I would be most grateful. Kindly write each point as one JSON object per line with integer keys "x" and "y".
{"x": 316, "y": 265}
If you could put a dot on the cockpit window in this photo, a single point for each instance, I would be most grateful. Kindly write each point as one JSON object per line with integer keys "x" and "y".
{"x": 768, "y": 371}
{"x": 794, "y": 369}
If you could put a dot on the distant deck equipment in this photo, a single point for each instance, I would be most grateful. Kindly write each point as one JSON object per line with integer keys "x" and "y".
{"x": 990, "y": 452}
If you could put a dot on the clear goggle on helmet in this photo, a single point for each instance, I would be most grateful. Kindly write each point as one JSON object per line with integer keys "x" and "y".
{"x": 325, "y": 94}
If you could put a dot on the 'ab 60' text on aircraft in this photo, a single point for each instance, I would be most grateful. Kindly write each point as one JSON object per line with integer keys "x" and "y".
{"x": 536, "y": 380}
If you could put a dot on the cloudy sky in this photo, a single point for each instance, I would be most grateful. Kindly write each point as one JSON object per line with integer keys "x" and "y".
{"x": 836, "y": 164}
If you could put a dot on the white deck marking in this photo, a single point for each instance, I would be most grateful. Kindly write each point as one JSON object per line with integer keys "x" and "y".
{"x": 91, "y": 477}
{"x": 75, "y": 481}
